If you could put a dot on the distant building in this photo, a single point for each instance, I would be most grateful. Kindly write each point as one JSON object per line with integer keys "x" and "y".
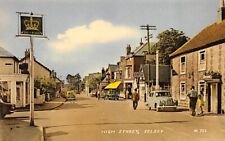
{"x": 133, "y": 62}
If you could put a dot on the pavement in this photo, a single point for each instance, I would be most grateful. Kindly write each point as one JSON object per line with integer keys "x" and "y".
{"x": 50, "y": 105}
{"x": 17, "y": 128}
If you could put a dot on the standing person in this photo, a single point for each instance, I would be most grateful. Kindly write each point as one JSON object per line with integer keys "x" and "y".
{"x": 135, "y": 99}
{"x": 99, "y": 94}
{"x": 201, "y": 102}
{"x": 193, "y": 96}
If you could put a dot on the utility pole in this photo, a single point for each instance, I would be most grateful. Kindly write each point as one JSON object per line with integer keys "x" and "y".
{"x": 157, "y": 70}
{"x": 148, "y": 28}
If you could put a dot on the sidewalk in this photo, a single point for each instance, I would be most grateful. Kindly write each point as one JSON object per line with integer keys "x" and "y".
{"x": 13, "y": 129}
{"x": 50, "y": 105}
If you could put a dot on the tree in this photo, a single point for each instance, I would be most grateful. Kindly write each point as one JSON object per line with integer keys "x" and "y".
{"x": 77, "y": 81}
{"x": 94, "y": 81}
{"x": 169, "y": 41}
{"x": 74, "y": 81}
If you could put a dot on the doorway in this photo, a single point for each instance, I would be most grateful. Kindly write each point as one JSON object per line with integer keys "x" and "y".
{"x": 214, "y": 98}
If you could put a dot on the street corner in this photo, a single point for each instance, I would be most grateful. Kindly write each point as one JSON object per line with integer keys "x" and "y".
{"x": 30, "y": 133}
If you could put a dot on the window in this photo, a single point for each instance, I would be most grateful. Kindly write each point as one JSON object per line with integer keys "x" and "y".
{"x": 202, "y": 60}
{"x": 128, "y": 72}
{"x": 182, "y": 65}
{"x": 182, "y": 90}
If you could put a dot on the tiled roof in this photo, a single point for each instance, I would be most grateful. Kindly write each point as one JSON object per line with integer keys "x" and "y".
{"x": 212, "y": 35}
{"x": 113, "y": 67}
{"x": 5, "y": 53}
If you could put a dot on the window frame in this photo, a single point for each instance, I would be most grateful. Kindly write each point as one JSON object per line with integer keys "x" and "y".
{"x": 201, "y": 62}
{"x": 183, "y": 94}
{"x": 183, "y": 63}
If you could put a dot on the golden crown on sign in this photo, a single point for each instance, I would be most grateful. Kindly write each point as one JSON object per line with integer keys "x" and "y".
{"x": 31, "y": 24}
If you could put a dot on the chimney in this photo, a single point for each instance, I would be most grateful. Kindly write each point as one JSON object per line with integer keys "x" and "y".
{"x": 221, "y": 12}
{"x": 141, "y": 43}
{"x": 27, "y": 53}
{"x": 128, "y": 49}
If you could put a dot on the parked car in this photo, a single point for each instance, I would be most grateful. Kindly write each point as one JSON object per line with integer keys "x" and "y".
{"x": 93, "y": 93}
{"x": 161, "y": 100}
{"x": 70, "y": 95}
{"x": 112, "y": 95}
{"x": 6, "y": 108}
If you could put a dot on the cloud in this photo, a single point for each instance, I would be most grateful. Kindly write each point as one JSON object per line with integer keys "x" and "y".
{"x": 3, "y": 19}
{"x": 97, "y": 32}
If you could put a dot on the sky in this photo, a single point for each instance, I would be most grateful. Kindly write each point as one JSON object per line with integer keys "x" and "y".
{"x": 86, "y": 35}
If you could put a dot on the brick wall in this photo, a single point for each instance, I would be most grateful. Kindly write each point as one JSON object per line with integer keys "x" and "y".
{"x": 215, "y": 61}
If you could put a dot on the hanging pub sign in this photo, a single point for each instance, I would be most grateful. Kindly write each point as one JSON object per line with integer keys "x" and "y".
{"x": 30, "y": 24}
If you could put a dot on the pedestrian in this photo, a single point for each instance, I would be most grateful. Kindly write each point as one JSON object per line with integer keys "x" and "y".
{"x": 193, "y": 96}
{"x": 96, "y": 94}
{"x": 201, "y": 103}
{"x": 99, "y": 93}
{"x": 135, "y": 99}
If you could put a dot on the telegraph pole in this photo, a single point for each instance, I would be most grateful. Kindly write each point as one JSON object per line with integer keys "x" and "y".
{"x": 148, "y": 28}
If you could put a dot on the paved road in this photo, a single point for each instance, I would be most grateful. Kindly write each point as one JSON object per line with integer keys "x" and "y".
{"x": 89, "y": 119}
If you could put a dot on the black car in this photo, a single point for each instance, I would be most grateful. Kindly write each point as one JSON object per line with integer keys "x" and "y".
{"x": 6, "y": 108}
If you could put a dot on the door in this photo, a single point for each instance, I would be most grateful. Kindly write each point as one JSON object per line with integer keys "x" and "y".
{"x": 219, "y": 107}
{"x": 214, "y": 97}
{"x": 209, "y": 97}
{"x": 19, "y": 92}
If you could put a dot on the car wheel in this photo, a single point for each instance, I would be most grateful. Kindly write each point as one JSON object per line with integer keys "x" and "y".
{"x": 157, "y": 109}
{"x": 155, "y": 105}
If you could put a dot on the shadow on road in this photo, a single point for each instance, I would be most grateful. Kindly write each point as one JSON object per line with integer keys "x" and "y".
{"x": 82, "y": 98}
{"x": 120, "y": 123}
{"x": 73, "y": 105}
{"x": 57, "y": 133}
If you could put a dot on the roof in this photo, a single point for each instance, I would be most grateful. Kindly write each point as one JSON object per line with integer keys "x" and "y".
{"x": 164, "y": 73}
{"x": 5, "y": 54}
{"x": 212, "y": 35}
{"x": 140, "y": 50}
{"x": 113, "y": 67}
{"x": 37, "y": 63}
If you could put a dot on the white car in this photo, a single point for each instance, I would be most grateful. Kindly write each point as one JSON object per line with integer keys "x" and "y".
{"x": 161, "y": 100}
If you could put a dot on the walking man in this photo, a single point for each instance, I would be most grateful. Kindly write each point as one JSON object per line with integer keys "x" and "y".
{"x": 135, "y": 99}
{"x": 193, "y": 96}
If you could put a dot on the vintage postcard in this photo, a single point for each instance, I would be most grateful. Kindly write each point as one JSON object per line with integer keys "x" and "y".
{"x": 112, "y": 70}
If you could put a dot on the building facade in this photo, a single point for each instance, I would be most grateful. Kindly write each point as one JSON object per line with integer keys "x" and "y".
{"x": 13, "y": 85}
{"x": 201, "y": 63}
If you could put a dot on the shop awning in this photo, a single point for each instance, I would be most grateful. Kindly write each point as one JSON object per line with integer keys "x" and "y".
{"x": 113, "y": 85}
